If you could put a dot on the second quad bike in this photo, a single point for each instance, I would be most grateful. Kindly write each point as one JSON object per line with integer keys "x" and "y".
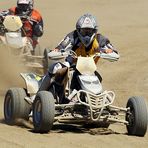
{"x": 14, "y": 40}
{"x": 86, "y": 102}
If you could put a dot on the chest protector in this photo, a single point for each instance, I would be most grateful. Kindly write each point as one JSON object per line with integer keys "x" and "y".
{"x": 81, "y": 50}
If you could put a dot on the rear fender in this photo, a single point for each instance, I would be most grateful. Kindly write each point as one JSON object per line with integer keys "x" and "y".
{"x": 32, "y": 82}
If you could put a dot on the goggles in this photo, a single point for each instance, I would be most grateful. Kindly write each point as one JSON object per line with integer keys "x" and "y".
{"x": 87, "y": 31}
{"x": 23, "y": 7}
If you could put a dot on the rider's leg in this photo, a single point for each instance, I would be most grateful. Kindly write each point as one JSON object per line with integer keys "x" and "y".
{"x": 45, "y": 84}
{"x": 74, "y": 81}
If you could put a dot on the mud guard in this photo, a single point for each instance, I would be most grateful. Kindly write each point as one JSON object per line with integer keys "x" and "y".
{"x": 32, "y": 82}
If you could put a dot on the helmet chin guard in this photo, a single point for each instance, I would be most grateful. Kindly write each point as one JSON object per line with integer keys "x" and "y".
{"x": 86, "y": 40}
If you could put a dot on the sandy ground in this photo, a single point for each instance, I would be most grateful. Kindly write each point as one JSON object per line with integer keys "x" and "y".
{"x": 126, "y": 25}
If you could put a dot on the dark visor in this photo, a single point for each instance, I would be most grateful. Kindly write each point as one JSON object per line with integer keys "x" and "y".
{"x": 87, "y": 31}
{"x": 23, "y": 7}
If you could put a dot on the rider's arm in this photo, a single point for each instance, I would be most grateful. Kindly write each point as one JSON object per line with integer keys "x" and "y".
{"x": 38, "y": 29}
{"x": 66, "y": 43}
{"x": 107, "y": 49}
{"x": 105, "y": 45}
{"x": 3, "y": 14}
{"x": 37, "y": 21}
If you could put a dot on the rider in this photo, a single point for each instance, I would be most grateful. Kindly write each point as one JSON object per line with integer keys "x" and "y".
{"x": 85, "y": 41}
{"x": 31, "y": 19}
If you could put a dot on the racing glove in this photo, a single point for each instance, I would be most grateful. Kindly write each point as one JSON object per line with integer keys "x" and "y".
{"x": 38, "y": 30}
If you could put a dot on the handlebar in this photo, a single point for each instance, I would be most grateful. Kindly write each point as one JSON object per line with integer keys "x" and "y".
{"x": 57, "y": 55}
{"x": 110, "y": 56}
{"x": 62, "y": 54}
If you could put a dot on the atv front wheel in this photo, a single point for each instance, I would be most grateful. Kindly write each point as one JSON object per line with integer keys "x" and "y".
{"x": 137, "y": 116}
{"x": 15, "y": 106}
{"x": 43, "y": 112}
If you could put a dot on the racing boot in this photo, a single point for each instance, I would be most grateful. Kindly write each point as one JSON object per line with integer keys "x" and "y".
{"x": 45, "y": 84}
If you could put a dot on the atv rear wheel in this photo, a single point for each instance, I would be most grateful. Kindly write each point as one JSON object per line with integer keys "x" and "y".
{"x": 15, "y": 106}
{"x": 43, "y": 112}
{"x": 137, "y": 116}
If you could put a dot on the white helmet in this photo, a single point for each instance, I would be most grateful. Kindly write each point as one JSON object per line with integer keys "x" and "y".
{"x": 25, "y": 7}
{"x": 87, "y": 28}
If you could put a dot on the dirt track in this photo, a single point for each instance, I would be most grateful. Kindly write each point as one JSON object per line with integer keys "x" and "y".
{"x": 126, "y": 25}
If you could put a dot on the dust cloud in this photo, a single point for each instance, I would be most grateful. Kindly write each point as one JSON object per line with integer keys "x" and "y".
{"x": 10, "y": 69}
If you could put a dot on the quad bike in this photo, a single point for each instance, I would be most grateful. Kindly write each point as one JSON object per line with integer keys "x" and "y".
{"x": 84, "y": 103}
{"x": 13, "y": 38}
